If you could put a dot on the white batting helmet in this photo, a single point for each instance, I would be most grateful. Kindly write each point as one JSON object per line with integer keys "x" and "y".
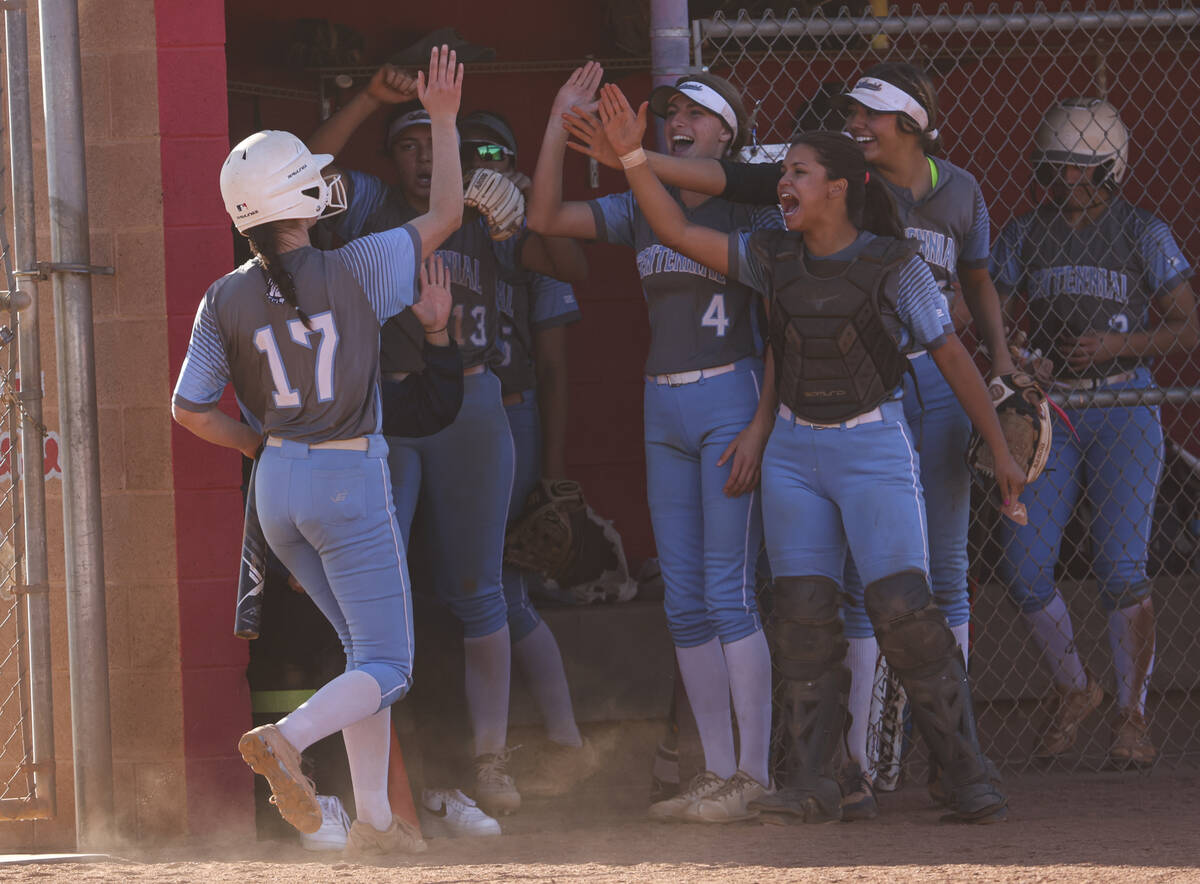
{"x": 271, "y": 176}
{"x": 1085, "y": 132}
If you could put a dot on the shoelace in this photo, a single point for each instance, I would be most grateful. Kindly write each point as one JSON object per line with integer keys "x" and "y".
{"x": 699, "y": 784}
{"x": 493, "y": 770}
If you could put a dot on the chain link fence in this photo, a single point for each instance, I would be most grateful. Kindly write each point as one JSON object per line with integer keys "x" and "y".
{"x": 1129, "y": 472}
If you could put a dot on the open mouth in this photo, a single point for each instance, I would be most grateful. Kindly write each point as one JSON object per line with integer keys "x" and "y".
{"x": 424, "y": 180}
{"x": 681, "y": 143}
{"x": 788, "y": 204}
{"x": 863, "y": 140}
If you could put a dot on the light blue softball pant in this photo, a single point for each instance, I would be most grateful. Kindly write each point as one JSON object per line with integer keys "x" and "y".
{"x": 461, "y": 479}
{"x": 328, "y": 516}
{"x": 526, "y": 429}
{"x": 707, "y": 543}
{"x": 941, "y": 432}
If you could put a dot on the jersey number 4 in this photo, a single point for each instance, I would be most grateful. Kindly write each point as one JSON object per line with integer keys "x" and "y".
{"x": 714, "y": 316}
{"x": 285, "y": 395}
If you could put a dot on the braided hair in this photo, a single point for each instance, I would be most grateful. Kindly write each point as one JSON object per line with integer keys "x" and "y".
{"x": 264, "y": 243}
{"x": 869, "y": 205}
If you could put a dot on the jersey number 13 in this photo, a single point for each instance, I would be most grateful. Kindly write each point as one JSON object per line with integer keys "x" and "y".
{"x": 285, "y": 395}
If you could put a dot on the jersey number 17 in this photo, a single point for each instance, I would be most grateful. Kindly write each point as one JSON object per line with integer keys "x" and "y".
{"x": 285, "y": 395}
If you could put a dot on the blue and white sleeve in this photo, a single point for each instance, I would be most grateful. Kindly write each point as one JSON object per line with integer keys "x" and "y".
{"x": 1005, "y": 264}
{"x": 1166, "y": 267}
{"x": 205, "y": 372}
{"x": 921, "y": 305}
{"x": 551, "y": 303}
{"x": 745, "y": 266}
{"x": 974, "y": 251}
{"x": 365, "y": 194}
{"x": 614, "y": 216}
{"x": 766, "y": 218}
{"x": 386, "y": 266}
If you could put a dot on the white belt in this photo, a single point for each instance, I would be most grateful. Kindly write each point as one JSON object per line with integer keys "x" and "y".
{"x": 357, "y": 444}
{"x": 916, "y": 355}
{"x": 475, "y": 369}
{"x": 871, "y": 417}
{"x": 1093, "y": 383}
{"x": 678, "y": 379}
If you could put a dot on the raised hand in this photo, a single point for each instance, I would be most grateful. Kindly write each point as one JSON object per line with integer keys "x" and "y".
{"x": 433, "y": 309}
{"x": 441, "y": 91}
{"x": 585, "y": 127}
{"x": 392, "y": 85}
{"x": 580, "y": 88}
{"x": 624, "y": 130}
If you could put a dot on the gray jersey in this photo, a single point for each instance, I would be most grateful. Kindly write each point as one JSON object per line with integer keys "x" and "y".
{"x": 1101, "y": 277}
{"x": 295, "y": 382}
{"x": 698, "y": 318}
{"x": 950, "y": 223}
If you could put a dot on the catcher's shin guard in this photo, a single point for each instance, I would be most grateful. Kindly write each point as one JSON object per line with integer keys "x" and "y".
{"x": 920, "y": 647}
{"x": 806, "y": 634}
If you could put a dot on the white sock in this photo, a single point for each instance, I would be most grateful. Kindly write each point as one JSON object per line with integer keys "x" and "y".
{"x": 706, "y": 680}
{"x": 962, "y": 637}
{"x": 861, "y": 660}
{"x": 541, "y": 663}
{"x": 1125, "y": 644}
{"x": 749, "y": 663}
{"x": 350, "y": 697}
{"x": 1054, "y": 634}
{"x": 489, "y": 665}
{"x": 368, "y": 743}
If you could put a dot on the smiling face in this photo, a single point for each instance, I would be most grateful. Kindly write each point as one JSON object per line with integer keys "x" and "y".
{"x": 412, "y": 152}
{"x": 695, "y": 131}
{"x": 877, "y": 133}
{"x": 804, "y": 189}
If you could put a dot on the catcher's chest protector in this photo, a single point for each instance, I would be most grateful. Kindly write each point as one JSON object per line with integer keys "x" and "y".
{"x": 835, "y": 351}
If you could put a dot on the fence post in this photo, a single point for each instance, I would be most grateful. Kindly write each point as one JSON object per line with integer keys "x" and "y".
{"x": 29, "y": 356}
{"x": 670, "y": 44}
{"x": 87, "y": 633}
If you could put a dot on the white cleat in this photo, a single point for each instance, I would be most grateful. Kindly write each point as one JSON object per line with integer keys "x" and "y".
{"x": 728, "y": 803}
{"x": 448, "y": 813}
{"x": 335, "y": 825}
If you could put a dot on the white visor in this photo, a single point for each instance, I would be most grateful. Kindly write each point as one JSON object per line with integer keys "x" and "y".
{"x": 705, "y": 96}
{"x": 883, "y": 96}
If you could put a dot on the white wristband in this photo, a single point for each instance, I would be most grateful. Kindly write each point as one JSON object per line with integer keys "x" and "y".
{"x": 633, "y": 158}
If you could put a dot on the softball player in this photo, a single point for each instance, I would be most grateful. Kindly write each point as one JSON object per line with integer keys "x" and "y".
{"x": 534, "y": 313}
{"x": 840, "y": 469}
{"x": 296, "y": 332}
{"x": 1089, "y": 265}
{"x": 704, "y": 437}
{"x": 463, "y": 498}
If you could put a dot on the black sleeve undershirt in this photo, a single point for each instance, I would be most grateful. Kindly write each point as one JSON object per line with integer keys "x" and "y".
{"x": 751, "y": 183}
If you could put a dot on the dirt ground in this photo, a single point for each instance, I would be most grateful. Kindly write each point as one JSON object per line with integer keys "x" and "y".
{"x": 1099, "y": 827}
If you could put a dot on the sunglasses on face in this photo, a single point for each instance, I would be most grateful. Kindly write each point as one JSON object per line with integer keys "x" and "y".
{"x": 485, "y": 150}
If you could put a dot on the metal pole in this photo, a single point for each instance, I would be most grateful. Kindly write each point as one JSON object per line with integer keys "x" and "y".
{"x": 991, "y": 23}
{"x": 87, "y": 640}
{"x": 1125, "y": 398}
{"x": 30, "y": 365}
{"x": 670, "y": 47}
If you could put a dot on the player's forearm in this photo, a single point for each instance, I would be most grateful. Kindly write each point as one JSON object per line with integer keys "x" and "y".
{"x": 670, "y": 225}
{"x": 565, "y": 258}
{"x": 545, "y": 201}
{"x": 334, "y": 134}
{"x": 768, "y": 399}
{"x": 217, "y": 427}
{"x": 446, "y": 188}
{"x": 981, "y": 298}
{"x": 699, "y": 175}
{"x": 957, "y": 367}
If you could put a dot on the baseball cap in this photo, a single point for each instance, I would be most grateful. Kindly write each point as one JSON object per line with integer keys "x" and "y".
{"x": 419, "y": 117}
{"x": 495, "y": 124}
{"x": 699, "y": 92}
{"x": 881, "y": 95}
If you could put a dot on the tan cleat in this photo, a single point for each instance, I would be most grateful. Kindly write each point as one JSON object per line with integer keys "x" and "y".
{"x": 1131, "y": 740}
{"x": 702, "y": 785}
{"x": 400, "y": 837}
{"x": 560, "y": 769}
{"x": 269, "y": 753}
{"x": 728, "y": 803}
{"x": 495, "y": 791}
{"x": 1074, "y": 706}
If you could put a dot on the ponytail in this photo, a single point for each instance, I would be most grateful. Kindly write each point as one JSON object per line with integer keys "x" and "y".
{"x": 869, "y": 204}
{"x": 264, "y": 244}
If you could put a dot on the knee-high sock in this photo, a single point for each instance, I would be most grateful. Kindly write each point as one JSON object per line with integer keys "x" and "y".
{"x": 861, "y": 658}
{"x": 350, "y": 697}
{"x": 489, "y": 667}
{"x": 706, "y": 680}
{"x": 1054, "y": 634}
{"x": 749, "y": 663}
{"x": 962, "y": 637}
{"x": 541, "y": 663}
{"x": 1131, "y": 638}
{"x": 367, "y": 745}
